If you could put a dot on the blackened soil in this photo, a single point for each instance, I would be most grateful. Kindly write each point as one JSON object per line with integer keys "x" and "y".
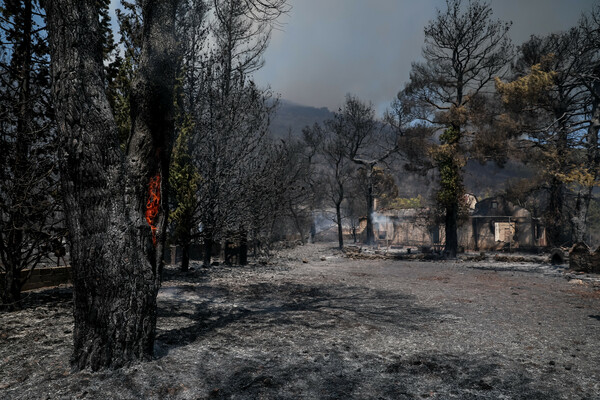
{"x": 315, "y": 325}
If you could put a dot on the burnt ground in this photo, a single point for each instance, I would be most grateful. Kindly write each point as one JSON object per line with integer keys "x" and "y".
{"x": 333, "y": 328}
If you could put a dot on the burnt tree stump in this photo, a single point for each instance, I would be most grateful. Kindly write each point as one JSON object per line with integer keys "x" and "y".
{"x": 582, "y": 259}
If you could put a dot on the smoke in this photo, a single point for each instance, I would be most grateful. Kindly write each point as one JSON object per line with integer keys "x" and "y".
{"x": 380, "y": 219}
{"x": 323, "y": 221}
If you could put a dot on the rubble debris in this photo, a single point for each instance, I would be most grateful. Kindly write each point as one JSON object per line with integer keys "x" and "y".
{"x": 508, "y": 258}
{"x": 582, "y": 259}
{"x": 480, "y": 257}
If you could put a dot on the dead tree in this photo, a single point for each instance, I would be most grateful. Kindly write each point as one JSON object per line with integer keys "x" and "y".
{"x": 231, "y": 115}
{"x": 114, "y": 201}
{"x": 335, "y": 168}
{"x": 369, "y": 144}
{"x": 29, "y": 217}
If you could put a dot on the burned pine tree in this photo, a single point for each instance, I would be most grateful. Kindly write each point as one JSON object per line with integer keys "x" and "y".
{"x": 114, "y": 201}
{"x": 184, "y": 182}
{"x": 30, "y": 228}
{"x": 185, "y": 178}
{"x": 229, "y": 114}
{"x": 464, "y": 50}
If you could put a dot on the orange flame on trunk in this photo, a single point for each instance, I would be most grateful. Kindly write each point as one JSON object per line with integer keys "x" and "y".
{"x": 152, "y": 205}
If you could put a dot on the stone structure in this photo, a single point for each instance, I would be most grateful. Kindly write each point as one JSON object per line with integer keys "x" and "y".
{"x": 493, "y": 224}
{"x": 498, "y": 224}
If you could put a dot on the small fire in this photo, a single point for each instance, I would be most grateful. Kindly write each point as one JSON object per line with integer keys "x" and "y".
{"x": 152, "y": 206}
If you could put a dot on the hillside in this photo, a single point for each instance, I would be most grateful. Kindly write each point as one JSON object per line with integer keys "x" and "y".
{"x": 481, "y": 180}
{"x": 293, "y": 117}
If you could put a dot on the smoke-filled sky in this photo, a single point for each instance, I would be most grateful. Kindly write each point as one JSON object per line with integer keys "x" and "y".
{"x": 327, "y": 48}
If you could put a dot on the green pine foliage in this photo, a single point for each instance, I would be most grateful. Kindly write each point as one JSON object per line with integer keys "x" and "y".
{"x": 449, "y": 165}
{"x": 184, "y": 180}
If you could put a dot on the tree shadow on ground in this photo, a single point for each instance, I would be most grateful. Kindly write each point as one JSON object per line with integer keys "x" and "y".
{"x": 291, "y": 340}
{"x": 287, "y": 306}
{"x": 194, "y": 274}
{"x": 469, "y": 376}
{"x": 51, "y": 297}
{"x": 422, "y": 375}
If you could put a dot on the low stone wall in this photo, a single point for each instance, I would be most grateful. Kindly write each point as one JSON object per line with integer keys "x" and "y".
{"x": 45, "y": 277}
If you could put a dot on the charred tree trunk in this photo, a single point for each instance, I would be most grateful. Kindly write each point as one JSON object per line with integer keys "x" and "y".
{"x": 243, "y": 247}
{"x": 254, "y": 243}
{"x": 11, "y": 292}
{"x": 554, "y": 217}
{"x": 185, "y": 257}
{"x": 228, "y": 252}
{"x": 184, "y": 240}
{"x": 338, "y": 216}
{"x": 115, "y": 203}
{"x": 370, "y": 209}
{"x": 313, "y": 230}
{"x": 451, "y": 188}
{"x": 451, "y": 226}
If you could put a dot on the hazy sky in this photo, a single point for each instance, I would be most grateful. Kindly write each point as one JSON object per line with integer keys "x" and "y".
{"x": 327, "y": 48}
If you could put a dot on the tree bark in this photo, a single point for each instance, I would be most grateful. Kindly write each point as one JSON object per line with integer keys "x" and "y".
{"x": 555, "y": 213}
{"x": 297, "y": 223}
{"x": 370, "y": 209}
{"x": 185, "y": 257}
{"x": 554, "y": 225}
{"x": 243, "y": 247}
{"x": 115, "y": 254}
{"x": 338, "y": 215}
{"x": 451, "y": 226}
{"x": 228, "y": 252}
{"x": 313, "y": 229}
{"x": 11, "y": 292}
{"x": 451, "y": 188}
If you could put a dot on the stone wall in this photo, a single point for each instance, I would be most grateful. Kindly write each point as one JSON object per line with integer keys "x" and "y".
{"x": 45, "y": 277}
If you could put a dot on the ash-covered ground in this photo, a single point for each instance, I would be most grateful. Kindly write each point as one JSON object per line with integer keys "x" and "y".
{"x": 315, "y": 325}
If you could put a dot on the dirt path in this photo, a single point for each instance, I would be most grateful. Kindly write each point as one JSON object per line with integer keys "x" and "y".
{"x": 333, "y": 328}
